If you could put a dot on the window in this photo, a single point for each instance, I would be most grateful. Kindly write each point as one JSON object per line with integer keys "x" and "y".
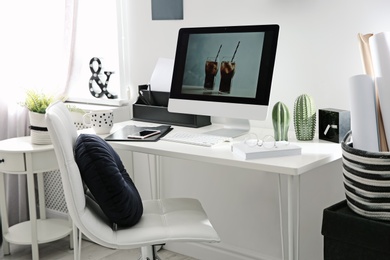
{"x": 96, "y": 36}
{"x": 32, "y": 48}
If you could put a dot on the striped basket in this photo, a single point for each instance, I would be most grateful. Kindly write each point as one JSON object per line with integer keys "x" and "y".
{"x": 366, "y": 180}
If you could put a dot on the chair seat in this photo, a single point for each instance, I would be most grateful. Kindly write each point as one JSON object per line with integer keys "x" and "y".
{"x": 164, "y": 220}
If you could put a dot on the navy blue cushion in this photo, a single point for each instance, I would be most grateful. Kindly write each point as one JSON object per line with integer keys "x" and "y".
{"x": 107, "y": 179}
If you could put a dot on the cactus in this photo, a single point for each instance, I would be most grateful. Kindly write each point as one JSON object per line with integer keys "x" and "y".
{"x": 281, "y": 121}
{"x": 304, "y": 117}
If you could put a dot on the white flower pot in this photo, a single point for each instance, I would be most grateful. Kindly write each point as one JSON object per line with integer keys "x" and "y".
{"x": 39, "y": 132}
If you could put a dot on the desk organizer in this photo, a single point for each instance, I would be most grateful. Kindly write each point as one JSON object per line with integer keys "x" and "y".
{"x": 349, "y": 236}
{"x": 158, "y": 112}
{"x": 366, "y": 180}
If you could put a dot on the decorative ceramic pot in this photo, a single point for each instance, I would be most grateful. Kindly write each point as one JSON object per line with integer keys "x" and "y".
{"x": 281, "y": 121}
{"x": 39, "y": 132}
{"x": 304, "y": 118}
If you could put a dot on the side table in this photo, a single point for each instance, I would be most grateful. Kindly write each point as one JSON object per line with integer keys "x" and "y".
{"x": 20, "y": 156}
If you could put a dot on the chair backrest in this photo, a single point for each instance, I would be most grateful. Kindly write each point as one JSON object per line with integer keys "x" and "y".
{"x": 63, "y": 134}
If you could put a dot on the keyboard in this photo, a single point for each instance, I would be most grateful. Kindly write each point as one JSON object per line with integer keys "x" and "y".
{"x": 196, "y": 138}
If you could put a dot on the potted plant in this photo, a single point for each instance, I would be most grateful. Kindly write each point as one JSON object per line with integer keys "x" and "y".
{"x": 37, "y": 102}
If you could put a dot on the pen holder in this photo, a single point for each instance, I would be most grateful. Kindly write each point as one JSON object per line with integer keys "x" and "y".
{"x": 158, "y": 112}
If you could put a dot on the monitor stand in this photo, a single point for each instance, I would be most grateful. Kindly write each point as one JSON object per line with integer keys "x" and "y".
{"x": 232, "y": 127}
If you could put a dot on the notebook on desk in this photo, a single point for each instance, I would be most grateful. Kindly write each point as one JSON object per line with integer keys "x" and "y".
{"x": 123, "y": 133}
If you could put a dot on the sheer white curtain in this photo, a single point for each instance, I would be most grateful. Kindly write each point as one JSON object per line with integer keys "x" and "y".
{"x": 36, "y": 51}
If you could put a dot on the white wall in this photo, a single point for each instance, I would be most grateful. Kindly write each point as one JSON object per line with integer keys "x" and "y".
{"x": 317, "y": 52}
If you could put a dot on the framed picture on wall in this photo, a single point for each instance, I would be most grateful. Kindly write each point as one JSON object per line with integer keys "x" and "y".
{"x": 167, "y": 9}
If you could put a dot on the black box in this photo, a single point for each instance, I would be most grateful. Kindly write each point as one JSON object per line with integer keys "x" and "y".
{"x": 333, "y": 124}
{"x": 349, "y": 236}
{"x": 158, "y": 112}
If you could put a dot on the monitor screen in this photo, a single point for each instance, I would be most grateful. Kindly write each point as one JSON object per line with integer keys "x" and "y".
{"x": 224, "y": 71}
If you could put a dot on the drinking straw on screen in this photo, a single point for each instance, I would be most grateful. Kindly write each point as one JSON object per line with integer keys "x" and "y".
{"x": 216, "y": 57}
{"x": 235, "y": 51}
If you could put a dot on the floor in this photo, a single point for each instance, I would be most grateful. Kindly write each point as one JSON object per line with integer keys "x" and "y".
{"x": 59, "y": 250}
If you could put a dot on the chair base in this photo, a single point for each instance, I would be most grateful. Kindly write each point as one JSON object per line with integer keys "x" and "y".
{"x": 149, "y": 253}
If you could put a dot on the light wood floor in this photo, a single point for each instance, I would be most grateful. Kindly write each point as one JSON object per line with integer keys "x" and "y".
{"x": 59, "y": 250}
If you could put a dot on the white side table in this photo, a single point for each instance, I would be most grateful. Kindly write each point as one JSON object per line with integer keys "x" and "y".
{"x": 19, "y": 156}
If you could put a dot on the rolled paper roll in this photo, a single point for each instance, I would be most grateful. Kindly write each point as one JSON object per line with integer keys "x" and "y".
{"x": 363, "y": 113}
{"x": 383, "y": 89}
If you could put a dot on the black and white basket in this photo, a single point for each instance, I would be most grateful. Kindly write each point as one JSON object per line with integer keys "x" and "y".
{"x": 366, "y": 180}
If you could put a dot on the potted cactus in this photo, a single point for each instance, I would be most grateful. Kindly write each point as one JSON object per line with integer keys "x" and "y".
{"x": 304, "y": 117}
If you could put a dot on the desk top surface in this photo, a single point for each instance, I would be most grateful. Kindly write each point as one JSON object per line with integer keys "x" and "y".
{"x": 314, "y": 153}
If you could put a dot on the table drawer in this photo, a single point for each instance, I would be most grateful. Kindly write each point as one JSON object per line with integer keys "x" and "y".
{"x": 12, "y": 162}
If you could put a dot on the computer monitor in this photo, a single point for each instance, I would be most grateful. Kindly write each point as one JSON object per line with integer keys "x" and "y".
{"x": 224, "y": 72}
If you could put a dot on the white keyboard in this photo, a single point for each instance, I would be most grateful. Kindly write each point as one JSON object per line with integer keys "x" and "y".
{"x": 195, "y": 139}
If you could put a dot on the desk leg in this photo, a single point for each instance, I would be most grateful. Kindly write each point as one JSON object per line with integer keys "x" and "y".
{"x": 32, "y": 208}
{"x": 130, "y": 159}
{"x": 290, "y": 228}
{"x": 154, "y": 175}
{"x": 293, "y": 208}
{"x": 158, "y": 175}
{"x": 282, "y": 229}
{"x": 4, "y": 215}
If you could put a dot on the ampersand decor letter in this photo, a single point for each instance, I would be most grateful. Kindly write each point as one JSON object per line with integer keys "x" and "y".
{"x": 95, "y": 78}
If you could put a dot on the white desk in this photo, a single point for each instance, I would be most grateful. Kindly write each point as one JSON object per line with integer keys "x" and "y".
{"x": 314, "y": 154}
{"x": 19, "y": 156}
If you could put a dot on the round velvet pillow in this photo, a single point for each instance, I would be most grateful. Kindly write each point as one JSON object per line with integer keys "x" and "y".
{"x": 105, "y": 176}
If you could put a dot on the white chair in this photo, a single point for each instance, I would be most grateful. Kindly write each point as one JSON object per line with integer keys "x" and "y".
{"x": 163, "y": 220}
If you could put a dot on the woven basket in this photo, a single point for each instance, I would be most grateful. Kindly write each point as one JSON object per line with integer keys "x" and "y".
{"x": 366, "y": 180}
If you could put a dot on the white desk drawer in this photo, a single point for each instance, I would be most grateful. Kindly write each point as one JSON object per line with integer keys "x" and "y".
{"x": 12, "y": 162}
